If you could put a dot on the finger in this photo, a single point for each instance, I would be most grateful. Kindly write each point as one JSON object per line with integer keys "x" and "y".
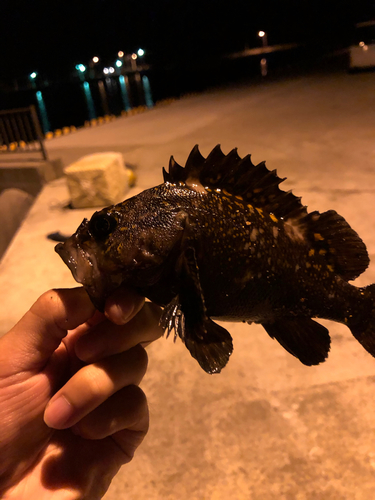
{"x": 38, "y": 334}
{"x": 128, "y": 440}
{"x": 75, "y": 334}
{"x": 126, "y": 409}
{"x": 123, "y": 305}
{"x": 108, "y": 339}
{"x": 92, "y": 385}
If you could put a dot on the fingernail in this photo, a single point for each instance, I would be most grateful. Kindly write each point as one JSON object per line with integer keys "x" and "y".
{"x": 58, "y": 413}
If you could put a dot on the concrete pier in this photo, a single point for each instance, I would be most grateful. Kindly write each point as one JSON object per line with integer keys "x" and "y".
{"x": 267, "y": 427}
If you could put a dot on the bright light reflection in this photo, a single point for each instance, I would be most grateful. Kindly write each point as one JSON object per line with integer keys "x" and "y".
{"x": 124, "y": 93}
{"x": 81, "y": 68}
{"x": 43, "y": 112}
{"x": 95, "y": 59}
{"x": 261, "y": 34}
{"x": 89, "y": 101}
{"x": 147, "y": 91}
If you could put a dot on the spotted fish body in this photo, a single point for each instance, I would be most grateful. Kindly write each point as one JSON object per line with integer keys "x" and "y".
{"x": 219, "y": 239}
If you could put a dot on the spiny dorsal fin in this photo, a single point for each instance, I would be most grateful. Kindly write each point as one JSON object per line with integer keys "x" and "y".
{"x": 239, "y": 177}
{"x": 176, "y": 171}
{"x": 195, "y": 162}
{"x": 328, "y": 233}
{"x": 166, "y": 176}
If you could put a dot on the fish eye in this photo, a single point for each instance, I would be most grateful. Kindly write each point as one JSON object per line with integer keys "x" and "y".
{"x": 102, "y": 225}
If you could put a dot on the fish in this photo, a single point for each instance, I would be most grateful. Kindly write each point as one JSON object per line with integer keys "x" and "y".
{"x": 219, "y": 240}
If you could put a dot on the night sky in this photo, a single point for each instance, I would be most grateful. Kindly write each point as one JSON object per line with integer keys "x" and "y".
{"x": 52, "y": 36}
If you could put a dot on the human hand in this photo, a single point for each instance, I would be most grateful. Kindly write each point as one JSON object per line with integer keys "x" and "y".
{"x": 71, "y": 411}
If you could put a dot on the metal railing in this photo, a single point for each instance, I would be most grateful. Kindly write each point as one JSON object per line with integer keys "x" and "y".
{"x": 20, "y": 132}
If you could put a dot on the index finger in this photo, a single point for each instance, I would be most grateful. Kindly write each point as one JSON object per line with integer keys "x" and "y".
{"x": 107, "y": 339}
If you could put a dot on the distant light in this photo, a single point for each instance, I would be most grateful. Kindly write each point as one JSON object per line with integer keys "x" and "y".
{"x": 261, "y": 34}
{"x": 39, "y": 96}
{"x": 134, "y": 56}
{"x": 33, "y": 75}
{"x": 81, "y": 68}
{"x": 106, "y": 71}
{"x": 361, "y": 44}
{"x": 365, "y": 47}
{"x": 120, "y": 53}
{"x": 111, "y": 69}
{"x": 141, "y": 52}
{"x": 118, "y": 63}
{"x": 95, "y": 59}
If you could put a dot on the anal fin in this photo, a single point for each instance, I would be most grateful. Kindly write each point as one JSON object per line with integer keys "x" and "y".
{"x": 304, "y": 338}
{"x": 362, "y": 325}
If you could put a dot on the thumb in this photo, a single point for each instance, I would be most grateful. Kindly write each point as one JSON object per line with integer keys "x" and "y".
{"x": 31, "y": 342}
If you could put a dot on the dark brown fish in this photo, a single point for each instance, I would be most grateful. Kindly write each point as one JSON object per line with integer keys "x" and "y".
{"x": 219, "y": 239}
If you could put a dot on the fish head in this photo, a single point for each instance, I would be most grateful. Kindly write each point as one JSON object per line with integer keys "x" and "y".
{"x": 128, "y": 243}
{"x": 85, "y": 255}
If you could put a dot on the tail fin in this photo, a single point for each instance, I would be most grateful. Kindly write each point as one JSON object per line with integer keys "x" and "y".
{"x": 364, "y": 328}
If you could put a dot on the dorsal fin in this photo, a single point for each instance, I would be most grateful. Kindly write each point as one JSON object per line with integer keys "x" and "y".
{"x": 194, "y": 163}
{"x": 239, "y": 177}
{"x": 177, "y": 173}
{"x": 166, "y": 176}
{"x": 327, "y": 233}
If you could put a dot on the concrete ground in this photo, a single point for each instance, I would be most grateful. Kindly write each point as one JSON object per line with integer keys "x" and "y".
{"x": 267, "y": 427}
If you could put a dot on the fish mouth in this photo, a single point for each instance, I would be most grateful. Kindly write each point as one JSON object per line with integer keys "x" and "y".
{"x": 84, "y": 268}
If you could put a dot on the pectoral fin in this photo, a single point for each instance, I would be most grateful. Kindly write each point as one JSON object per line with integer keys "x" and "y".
{"x": 306, "y": 339}
{"x": 210, "y": 344}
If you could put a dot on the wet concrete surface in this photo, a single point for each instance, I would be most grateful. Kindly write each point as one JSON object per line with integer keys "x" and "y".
{"x": 267, "y": 427}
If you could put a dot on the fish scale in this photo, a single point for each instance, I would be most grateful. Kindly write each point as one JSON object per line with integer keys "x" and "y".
{"x": 219, "y": 239}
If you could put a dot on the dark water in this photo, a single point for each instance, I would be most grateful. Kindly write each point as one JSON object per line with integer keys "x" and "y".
{"x": 66, "y": 103}
{"x": 73, "y": 103}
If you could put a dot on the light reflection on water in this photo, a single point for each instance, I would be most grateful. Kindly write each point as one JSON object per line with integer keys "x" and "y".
{"x": 147, "y": 91}
{"x": 89, "y": 101}
{"x": 43, "y": 112}
{"x": 124, "y": 92}
{"x": 102, "y": 97}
